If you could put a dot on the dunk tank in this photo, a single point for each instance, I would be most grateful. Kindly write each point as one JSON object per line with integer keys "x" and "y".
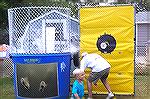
{"x": 41, "y": 42}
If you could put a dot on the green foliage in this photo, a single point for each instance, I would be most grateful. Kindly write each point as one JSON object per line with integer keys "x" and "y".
{"x": 147, "y": 4}
{"x": 6, "y": 88}
{"x": 3, "y": 13}
{"x": 53, "y": 3}
{"x": 3, "y": 5}
{"x": 6, "y": 4}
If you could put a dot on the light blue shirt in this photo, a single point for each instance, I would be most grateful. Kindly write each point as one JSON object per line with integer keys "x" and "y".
{"x": 78, "y": 88}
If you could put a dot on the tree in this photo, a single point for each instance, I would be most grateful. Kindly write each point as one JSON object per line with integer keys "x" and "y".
{"x": 3, "y": 13}
{"x": 4, "y": 5}
{"x": 147, "y": 4}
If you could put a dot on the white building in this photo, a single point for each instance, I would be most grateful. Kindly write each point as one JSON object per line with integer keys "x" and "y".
{"x": 143, "y": 34}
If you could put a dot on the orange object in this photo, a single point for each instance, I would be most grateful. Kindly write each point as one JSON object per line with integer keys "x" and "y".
{"x": 3, "y": 47}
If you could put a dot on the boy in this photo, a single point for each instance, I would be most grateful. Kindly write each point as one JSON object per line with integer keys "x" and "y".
{"x": 78, "y": 86}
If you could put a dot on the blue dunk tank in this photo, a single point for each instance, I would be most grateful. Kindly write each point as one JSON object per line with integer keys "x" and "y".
{"x": 42, "y": 48}
{"x": 38, "y": 76}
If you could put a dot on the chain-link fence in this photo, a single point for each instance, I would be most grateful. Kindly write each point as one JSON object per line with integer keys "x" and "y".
{"x": 29, "y": 33}
{"x": 141, "y": 71}
{"x": 42, "y": 30}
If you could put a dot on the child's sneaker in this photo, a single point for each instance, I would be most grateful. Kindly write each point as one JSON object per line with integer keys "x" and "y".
{"x": 110, "y": 95}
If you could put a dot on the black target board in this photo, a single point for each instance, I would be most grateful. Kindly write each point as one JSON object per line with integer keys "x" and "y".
{"x": 106, "y": 43}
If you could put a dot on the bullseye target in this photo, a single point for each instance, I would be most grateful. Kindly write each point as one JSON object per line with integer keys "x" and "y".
{"x": 106, "y": 43}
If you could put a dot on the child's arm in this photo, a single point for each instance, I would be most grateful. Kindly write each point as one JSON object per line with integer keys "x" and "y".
{"x": 74, "y": 91}
{"x": 76, "y": 96}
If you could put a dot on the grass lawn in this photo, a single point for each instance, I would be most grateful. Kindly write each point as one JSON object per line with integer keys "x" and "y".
{"x": 6, "y": 88}
{"x": 141, "y": 85}
{"x": 142, "y": 89}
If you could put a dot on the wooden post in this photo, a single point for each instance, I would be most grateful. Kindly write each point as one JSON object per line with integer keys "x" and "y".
{"x": 1, "y": 67}
{"x": 149, "y": 54}
{"x": 148, "y": 67}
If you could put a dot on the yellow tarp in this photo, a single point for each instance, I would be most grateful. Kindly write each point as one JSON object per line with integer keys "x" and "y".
{"x": 118, "y": 21}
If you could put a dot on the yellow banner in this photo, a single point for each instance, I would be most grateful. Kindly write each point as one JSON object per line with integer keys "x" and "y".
{"x": 99, "y": 28}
